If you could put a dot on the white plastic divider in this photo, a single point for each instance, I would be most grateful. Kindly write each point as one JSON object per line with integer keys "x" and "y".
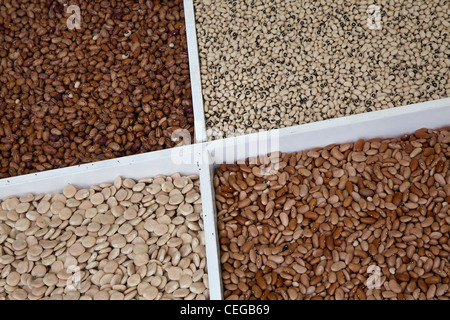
{"x": 211, "y": 230}
{"x": 205, "y": 163}
{"x": 194, "y": 68}
{"x": 377, "y": 124}
{"x": 85, "y": 175}
{"x": 203, "y": 158}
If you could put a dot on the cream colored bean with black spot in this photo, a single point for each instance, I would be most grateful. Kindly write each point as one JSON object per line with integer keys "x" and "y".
{"x": 272, "y": 64}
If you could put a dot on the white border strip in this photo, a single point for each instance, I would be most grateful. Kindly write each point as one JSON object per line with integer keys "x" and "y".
{"x": 84, "y": 175}
{"x": 210, "y": 226}
{"x": 381, "y": 124}
{"x": 194, "y": 67}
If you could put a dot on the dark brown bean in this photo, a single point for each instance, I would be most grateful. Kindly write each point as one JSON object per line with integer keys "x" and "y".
{"x": 73, "y": 98}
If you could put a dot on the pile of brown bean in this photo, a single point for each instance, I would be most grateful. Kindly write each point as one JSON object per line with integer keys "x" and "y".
{"x": 278, "y": 63}
{"x": 120, "y": 241}
{"x": 363, "y": 220}
{"x": 118, "y": 86}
